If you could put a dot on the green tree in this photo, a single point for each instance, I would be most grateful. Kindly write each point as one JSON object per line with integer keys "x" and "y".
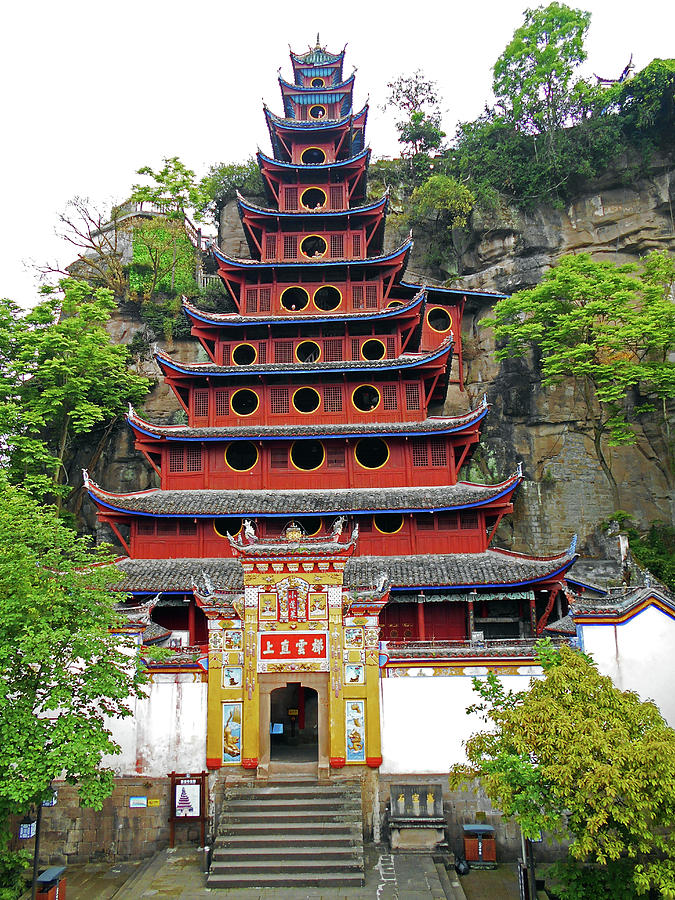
{"x": 577, "y": 757}
{"x": 611, "y": 330}
{"x": 533, "y": 78}
{"x": 220, "y": 185}
{"x": 173, "y": 190}
{"x": 443, "y": 200}
{"x": 418, "y": 99}
{"x": 64, "y": 671}
{"x": 62, "y": 379}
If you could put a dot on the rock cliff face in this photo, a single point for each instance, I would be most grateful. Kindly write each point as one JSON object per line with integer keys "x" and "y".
{"x": 616, "y": 219}
{"x": 565, "y": 491}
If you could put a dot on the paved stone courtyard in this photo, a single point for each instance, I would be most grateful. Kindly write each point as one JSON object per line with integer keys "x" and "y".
{"x": 178, "y": 875}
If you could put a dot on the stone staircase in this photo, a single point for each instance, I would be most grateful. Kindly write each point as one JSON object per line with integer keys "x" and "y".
{"x": 289, "y": 833}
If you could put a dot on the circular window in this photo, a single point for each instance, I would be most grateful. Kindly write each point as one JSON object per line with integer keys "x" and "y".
{"x": 366, "y": 397}
{"x": 394, "y": 303}
{"x": 317, "y": 111}
{"x": 313, "y": 156}
{"x": 307, "y": 455}
{"x": 373, "y": 349}
{"x": 371, "y": 453}
{"x": 313, "y": 198}
{"x": 241, "y": 455}
{"x": 317, "y": 82}
{"x": 294, "y": 298}
{"x": 313, "y": 246}
{"x": 311, "y": 525}
{"x": 223, "y": 527}
{"x": 244, "y": 355}
{"x": 388, "y": 523}
{"x": 439, "y": 319}
{"x": 306, "y": 400}
{"x": 327, "y": 297}
{"x": 308, "y": 352}
{"x": 244, "y": 402}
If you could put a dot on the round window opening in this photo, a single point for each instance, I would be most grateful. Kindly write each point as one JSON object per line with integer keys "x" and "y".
{"x": 317, "y": 82}
{"x": 313, "y": 156}
{"x": 313, "y": 198}
{"x": 244, "y": 402}
{"x": 294, "y": 298}
{"x": 327, "y": 298}
{"x": 371, "y": 453}
{"x": 366, "y": 397}
{"x": 373, "y": 349}
{"x": 313, "y": 246}
{"x": 223, "y": 527}
{"x": 439, "y": 319}
{"x": 241, "y": 455}
{"x": 306, "y": 400}
{"x": 317, "y": 112}
{"x": 244, "y": 355}
{"x": 311, "y": 525}
{"x": 388, "y": 523}
{"x": 394, "y": 303}
{"x": 308, "y": 352}
{"x": 307, "y": 455}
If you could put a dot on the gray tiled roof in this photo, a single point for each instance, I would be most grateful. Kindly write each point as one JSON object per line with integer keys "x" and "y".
{"x": 406, "y": 361}
{"x": 205, "y": 503}
{"x": 622, "y": 600}
{"x": 430, "y": 426}
{"x": 445, "y": 570}
{"x": 230, "y": 318}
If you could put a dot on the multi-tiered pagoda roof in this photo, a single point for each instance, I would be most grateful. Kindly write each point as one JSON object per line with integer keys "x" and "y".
{"x": 322, "y": 397}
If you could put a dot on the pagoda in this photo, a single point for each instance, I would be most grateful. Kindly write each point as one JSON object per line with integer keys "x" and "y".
{"x": 314, "y": 499}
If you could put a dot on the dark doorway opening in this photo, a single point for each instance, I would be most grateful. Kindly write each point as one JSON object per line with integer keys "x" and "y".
{"x": 294, "y": 724}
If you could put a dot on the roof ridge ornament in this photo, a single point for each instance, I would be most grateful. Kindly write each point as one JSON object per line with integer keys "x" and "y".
{"x": 519, "y": 469}
{"x": 573, "y": 545}
{"x": 85, "y": 478}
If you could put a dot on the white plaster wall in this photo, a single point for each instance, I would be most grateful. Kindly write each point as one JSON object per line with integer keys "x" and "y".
{"x": 167, "y": 732}
{"x": 424, "y": 720}
{"x": 639, "y": 656}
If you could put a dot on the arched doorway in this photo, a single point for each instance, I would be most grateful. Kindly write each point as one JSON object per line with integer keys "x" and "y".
{"x": 294, "y": 724}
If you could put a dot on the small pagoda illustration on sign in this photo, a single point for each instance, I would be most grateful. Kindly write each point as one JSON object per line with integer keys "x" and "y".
{"x": 184, "y": 806}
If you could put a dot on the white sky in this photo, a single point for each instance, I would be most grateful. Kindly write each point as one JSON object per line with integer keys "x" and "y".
{"x": 91, "y": 91}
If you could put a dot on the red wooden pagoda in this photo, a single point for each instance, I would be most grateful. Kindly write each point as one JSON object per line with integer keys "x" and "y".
{"x": 322, "y": 397}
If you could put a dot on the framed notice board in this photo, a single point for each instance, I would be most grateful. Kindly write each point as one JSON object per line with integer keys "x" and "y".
{"x": 188, "y": 802}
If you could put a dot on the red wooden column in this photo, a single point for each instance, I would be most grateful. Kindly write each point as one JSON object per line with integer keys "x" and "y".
{"x": 421, "y": 631}
{"x": 192, "y": 628}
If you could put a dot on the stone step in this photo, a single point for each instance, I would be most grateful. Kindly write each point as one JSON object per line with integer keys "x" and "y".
{"x": 293, "y": 834}
{"x": 260, "y": 826}
{"x": 287, "y": 805}
{"x": 322, "y": 840}
{"x": 295, "y": 815}
{"x": 287, "y": 879}
{"x": 312, "y": 851}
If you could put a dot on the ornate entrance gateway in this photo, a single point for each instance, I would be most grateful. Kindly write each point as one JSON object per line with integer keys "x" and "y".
{"x": 293, "y": 664}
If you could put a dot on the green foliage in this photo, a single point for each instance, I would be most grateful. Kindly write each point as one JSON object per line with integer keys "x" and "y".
{"x": 418, "y": 99}
{"x": 533, "y": 76}
{"x": 442, "y": 199}
{"x": 577, "y": 757}
{"x": 222, "y": 182}
{"x": 61, "y": 378}
{"x": 164, "y": 259}
{"x": 655, "y": 550}
{"x": 64, "y": 673}
{"x": 611, "y": 329}
{"x": 12, "y": 864}
{"x": 174, "y": 188}
{"x": 647, "y": 101}
{"x": 609, "y": 882}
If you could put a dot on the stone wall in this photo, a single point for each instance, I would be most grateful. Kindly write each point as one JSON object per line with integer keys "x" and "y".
{"x": 71, "y": 833}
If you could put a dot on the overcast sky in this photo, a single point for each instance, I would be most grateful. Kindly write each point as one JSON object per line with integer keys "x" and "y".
{"x": 91, "y": 91}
